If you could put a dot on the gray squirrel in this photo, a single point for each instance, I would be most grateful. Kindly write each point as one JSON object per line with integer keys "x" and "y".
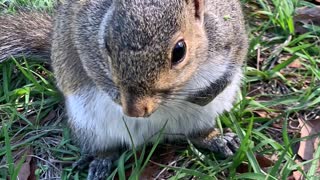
{"x": 145, "y": 65}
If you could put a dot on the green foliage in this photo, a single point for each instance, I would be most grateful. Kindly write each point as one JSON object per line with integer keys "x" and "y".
{"x": 28, "y": 97}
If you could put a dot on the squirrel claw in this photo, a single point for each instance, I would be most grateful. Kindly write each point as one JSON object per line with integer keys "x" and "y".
{"x": 224, "y": 145}
{"x": 99, "y": 169}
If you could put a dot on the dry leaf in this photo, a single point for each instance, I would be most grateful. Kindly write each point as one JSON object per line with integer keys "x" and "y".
{"x": 297, "y": 175}
{"x": 308, "y": 146}
{"x": 165, "y": 156}
{"x": 305, "y": 16}
{"x": 25, "y": 172}
{"x": 295, "y": 64}
{"x": 49, "y": 117}
{"x": 263, "y": 161}
{"x": 262, "y": 114}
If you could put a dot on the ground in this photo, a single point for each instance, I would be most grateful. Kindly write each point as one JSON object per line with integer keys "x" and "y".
{"x": 280, "y": 93}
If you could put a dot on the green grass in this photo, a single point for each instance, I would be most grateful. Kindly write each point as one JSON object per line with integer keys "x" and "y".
{"x": 31, "y": 109}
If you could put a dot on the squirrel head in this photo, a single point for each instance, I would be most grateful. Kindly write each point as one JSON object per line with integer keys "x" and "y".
{"x": 147, "y": 54}
{"x": 152, "y": 48}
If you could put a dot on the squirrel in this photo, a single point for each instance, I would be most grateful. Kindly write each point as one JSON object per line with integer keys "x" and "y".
{"x": 131, "y": 68}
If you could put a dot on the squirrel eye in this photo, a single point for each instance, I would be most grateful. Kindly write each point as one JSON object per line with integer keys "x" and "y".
{"x": 178, "y": 52}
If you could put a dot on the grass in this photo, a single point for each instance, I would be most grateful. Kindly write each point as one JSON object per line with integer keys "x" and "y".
{"x": 274, "y": 95}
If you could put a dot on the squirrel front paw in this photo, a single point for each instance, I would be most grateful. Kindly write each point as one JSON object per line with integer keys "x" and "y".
{"x": 225, "y": 145}
{"x": 99, "y": 167}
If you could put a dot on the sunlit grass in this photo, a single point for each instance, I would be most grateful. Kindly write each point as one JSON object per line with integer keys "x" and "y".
{"x": 31, "y": 108}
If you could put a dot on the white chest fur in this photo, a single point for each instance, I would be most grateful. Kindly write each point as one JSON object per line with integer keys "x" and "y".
{"x": 102, "y": 122}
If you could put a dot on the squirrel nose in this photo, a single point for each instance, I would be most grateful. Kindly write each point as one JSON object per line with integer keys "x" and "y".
{"x": 136, "y": 111}
{"x": 138, "y": 108}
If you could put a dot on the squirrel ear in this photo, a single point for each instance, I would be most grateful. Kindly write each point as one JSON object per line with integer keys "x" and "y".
{"x": 199, "y": 9}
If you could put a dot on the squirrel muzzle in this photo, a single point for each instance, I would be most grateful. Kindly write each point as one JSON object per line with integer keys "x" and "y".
{"x": 139, "y": 107}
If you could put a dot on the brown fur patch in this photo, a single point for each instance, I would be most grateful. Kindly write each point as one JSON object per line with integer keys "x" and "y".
{"x": 193, "y": 34}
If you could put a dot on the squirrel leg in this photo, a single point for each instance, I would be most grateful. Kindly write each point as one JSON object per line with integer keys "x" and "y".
{"x": 99, "y": 166}
{"x": 83, "y": 162}
{"x": 224, "y": 145}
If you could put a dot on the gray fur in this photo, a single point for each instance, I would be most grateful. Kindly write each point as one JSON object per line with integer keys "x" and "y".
{"x": 120, "y": 50}
{"x": 132, "y": 52}
{"x": 25, "y": 34}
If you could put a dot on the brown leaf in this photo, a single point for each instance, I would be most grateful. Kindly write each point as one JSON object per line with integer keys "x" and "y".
{"x": 263, "y": 161}
{"x": 49, "y": 117}
{"x": 262, "y": 114}
{"x": 297, "y": 175}
{"x": 308, "y": 146}
{"x": 150, "y": 171}
{"x": 243, "y": 168}
{"x": 295, "y": 64}
{"x": 306, "y": 15}
{"x": 25, "y": 172}
{"x": 165, "y": 156}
